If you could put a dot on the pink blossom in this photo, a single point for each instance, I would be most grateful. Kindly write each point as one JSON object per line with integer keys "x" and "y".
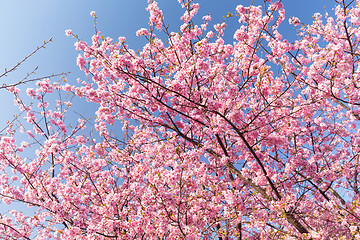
{"x": 68, "y": 32}
{"x": 207, "y": 18}
{"x": 240, "y": 35}
{"x": 240, "y": 9}
{"x": 156, "y": 15}
{"x": 80, "y": 61}
{"x": 294, "y": 20}
{"x": 276, "y": 6}
{"x": 194, "y": 136}
{"x": 142, "y": 32}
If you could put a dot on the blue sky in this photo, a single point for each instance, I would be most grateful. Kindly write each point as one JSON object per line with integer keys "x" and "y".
{"x": 26, "y": 24}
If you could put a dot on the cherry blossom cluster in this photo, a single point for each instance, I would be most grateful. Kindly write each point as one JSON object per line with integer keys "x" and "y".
{"x": 254, "y": 139}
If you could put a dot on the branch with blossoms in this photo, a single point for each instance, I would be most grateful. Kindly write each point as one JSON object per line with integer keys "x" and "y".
{"x": 163, "y": 91}
{"x": 254, "y": 139}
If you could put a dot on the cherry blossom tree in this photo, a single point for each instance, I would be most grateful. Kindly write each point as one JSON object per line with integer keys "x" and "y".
{"x": 254, "y": 139}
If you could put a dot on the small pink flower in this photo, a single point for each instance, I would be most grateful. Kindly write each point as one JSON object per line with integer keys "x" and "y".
{"x": 240, "y": 9}
{"x": 92, "y": 13}
{"x": 81, "y": 62}
{"x": 207, "y": 18}
{"x": 240, "y": 35}
{"x": 68, "y": 32}
{"x": 141, "y": 32}
{"x": 276, "y": 6}
{"x": 122, "y": 39}
{"x": 294, "y": 21}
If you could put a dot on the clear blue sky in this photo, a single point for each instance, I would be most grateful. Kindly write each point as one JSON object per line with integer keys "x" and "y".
{"x": 26, "y": 24}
